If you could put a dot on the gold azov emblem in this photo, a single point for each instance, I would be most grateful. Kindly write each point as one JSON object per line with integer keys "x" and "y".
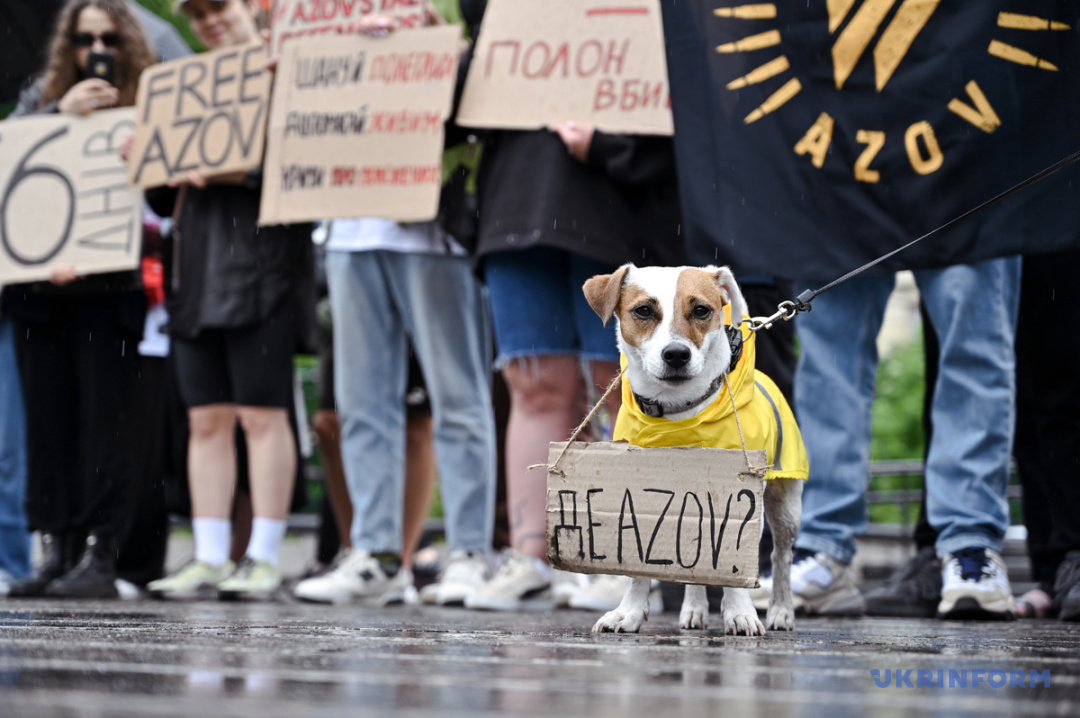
{"x": 853, "y": 30}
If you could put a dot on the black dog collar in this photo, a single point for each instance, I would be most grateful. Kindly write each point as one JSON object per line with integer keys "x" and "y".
{"x": 655, "y": 409}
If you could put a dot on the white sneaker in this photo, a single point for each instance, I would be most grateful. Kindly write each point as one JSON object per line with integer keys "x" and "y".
{"x": 604, "y": 593}
{"x": 823, "y": 586}
{"x": 517, "y": 579}
{"x": 975, "y": 585}
{"x": 462, "y": 574}
{"x": 357, "y": 576}
{"x": 564, "y": 585}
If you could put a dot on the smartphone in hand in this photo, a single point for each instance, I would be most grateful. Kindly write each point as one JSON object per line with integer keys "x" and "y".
{"x": 103, "y": 65}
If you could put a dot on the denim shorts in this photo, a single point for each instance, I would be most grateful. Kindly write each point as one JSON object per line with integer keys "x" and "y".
{"x": 538, "y": 307}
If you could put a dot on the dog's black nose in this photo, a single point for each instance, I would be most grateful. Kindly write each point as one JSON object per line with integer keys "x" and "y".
{"x": 676, "y": 356}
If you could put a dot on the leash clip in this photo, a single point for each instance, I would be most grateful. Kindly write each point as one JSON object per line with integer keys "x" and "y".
{"x": 786, "y": 310}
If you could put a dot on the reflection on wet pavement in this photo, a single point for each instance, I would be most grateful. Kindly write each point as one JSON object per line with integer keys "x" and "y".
{"x": 210, "y": 659}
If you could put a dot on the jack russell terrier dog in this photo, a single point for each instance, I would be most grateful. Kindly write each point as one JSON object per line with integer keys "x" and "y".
{"x": 681, "y": 357}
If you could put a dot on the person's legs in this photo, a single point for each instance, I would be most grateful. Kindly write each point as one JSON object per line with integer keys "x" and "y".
{"x": 107, "y": 373}
{"x": 328, "y": 430}
{"x": 973, "y": 308}
{"x": 14, "y": 537}
{"x": 370, "y": 353}
{"x": 441, "y": 304}
{"x": 834, "y": 391}
{"x": 419, "y": 482}
{"x": 212, "y": 461}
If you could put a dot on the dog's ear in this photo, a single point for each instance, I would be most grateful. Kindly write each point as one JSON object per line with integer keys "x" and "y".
{"x": 726, "y": 281}
{"x": 603, "y": 291}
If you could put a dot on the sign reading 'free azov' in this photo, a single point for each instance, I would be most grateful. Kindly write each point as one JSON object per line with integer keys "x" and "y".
{"x": 596, "y": 62}
{"x": 64, "y": 199}
{"x": 687, "y": 515}
{"x": 204, "y": 114}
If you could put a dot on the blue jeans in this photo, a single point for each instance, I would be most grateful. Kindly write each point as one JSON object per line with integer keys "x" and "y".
{"x": 14, "y": 538}
{"x": 378, "y": 300}
{"x": 973, "y": 309}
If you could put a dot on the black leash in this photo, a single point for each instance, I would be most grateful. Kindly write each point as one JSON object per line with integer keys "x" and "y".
{"x": 789, "y": 309}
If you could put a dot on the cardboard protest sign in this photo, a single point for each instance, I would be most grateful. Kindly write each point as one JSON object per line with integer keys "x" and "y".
{"x": 675, "y": 514}
{"x": 356, "y": 126}
{"x": 205, "y": 113}
{"x": 299, "y": 18}
{"x": 597, "y": 62}
{"x": 64, "y": 198}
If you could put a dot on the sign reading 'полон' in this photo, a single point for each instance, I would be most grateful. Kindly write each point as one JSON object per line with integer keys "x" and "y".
{"x": 595, "y": 62}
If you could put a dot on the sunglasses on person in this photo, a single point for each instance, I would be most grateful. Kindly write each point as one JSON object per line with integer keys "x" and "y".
{"x": 86, "y": 39}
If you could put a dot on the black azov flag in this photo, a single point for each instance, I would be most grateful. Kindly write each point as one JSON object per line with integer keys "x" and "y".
{"x": 816, "y": 135}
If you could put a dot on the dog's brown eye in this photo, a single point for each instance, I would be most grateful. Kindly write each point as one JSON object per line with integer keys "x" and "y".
{"x": 701, "y": 312}
{"x": 643, "y": 312}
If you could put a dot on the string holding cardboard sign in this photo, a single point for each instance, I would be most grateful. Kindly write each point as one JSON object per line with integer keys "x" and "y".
{"x": 554, "y": 468}
{"x": 756, "y": 471}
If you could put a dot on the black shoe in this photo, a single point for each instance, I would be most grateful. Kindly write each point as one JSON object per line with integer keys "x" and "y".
{"x": 912, "y": 591}
{"x": 95, "y": 574}
{"x": 1067, "y": 588}
{"x": 51, "y": 567}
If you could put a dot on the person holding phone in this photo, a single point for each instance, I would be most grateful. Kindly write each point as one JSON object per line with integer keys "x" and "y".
{"x": 75, "y": 339}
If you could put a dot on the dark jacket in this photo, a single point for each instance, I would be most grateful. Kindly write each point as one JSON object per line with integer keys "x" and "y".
{"x": 619, "y": 206}
{"x": 226, "y": 271}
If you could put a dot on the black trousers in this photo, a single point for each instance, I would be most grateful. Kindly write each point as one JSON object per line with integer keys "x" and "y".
{"x": 79, "y": 369}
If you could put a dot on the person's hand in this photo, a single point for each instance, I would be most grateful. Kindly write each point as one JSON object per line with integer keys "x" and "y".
{"x": 192, "y": 178}
{"x": 89, "y": 95}
{"x": 125, "y": 147}
{"x": 64, "y": 274}
{"x": 577, "y": 138}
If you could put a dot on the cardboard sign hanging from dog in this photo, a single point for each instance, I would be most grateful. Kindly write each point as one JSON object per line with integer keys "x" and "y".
{"x": 205, "y": 113}
{"x": 675, "y": 514}
{"x": 596, "y": 62}
{"x": 300, "y": 18}
{"x": 356, "y": 126}
{"x": 64, "y": 199}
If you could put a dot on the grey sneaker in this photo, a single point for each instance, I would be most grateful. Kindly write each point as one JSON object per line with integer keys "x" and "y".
{"x": 253, "y": 581}
{"x": 822, "y": 586}
{"x": 196, "y": 580}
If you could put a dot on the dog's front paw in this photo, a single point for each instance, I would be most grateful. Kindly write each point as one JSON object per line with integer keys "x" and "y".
{"x": 694, "y": 616}
{"x": 742, "y": 624}
{"x": 620, "y": 621}
{"x": 780, "y": 618}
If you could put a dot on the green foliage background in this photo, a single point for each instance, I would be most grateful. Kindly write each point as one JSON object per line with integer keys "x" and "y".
{"x": 163, "y": 9}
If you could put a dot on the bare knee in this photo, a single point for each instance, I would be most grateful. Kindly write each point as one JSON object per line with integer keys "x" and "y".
{"x": 213, "y": 421}
{"x": 544, "y": 384}
{"x": 259, "y": 422}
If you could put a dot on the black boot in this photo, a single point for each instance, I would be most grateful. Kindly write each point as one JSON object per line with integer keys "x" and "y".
{"x": 51, "y": 567}
{"x": 95, "y": 574}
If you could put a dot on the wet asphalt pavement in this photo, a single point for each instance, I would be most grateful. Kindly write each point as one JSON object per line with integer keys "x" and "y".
{"x": 147, "y": 658}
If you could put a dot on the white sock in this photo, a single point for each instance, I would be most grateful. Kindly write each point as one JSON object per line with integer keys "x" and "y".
{"x": 266, "y": 536}
{"x": 212, "y": 540}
